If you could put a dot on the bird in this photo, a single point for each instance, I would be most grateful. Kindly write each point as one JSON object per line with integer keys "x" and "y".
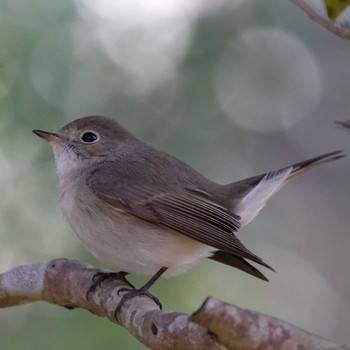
{"x": 146, "y": 212}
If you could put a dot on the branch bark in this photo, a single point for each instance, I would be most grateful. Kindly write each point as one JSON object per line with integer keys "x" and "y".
{"x": 339, "y": 28}
{"x": 215, "y": 325}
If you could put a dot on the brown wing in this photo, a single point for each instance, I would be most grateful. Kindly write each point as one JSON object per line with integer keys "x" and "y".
{"x": 189, "y": 211}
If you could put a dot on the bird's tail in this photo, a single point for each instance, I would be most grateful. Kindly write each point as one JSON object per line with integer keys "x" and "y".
{"x": 309, "y": 164}
{"x": 249, "y": 196}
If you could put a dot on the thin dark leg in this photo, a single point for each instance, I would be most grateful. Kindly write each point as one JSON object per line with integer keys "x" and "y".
{"x": 153, "y": 279}
{"x": 141, "y": 291}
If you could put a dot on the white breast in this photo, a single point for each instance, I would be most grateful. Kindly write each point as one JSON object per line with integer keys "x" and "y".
{"x": 128, "y": 243}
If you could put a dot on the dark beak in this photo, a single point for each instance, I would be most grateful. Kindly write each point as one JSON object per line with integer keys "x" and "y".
{"x": 47, "y": 136}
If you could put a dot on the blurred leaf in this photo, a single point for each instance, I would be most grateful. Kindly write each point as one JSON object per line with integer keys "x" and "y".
{"x": 335, "y": 7}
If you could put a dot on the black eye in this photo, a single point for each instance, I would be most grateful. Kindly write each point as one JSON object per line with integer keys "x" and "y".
{"x": 89, "y": 137}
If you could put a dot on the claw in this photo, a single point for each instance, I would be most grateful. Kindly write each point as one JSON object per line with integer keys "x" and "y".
{"x": 138, "y": 292}
{"x": 100, "y": 277}
{"x": 134, "y": 293}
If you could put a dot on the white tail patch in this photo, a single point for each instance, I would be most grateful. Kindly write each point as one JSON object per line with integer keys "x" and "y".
{"x": 250, "y": 205}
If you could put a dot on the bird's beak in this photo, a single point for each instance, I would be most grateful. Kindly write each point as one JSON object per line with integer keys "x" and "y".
{"x": 47, "y": 136}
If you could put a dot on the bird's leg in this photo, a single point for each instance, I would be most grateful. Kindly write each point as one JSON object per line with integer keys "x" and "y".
{"x": 141, "y": 291}
{"x": 100, "y": 277}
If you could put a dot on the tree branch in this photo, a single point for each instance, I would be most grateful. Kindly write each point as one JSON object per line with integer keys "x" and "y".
{"x": 215, "y": 325}
{"x": 339, "y": 28}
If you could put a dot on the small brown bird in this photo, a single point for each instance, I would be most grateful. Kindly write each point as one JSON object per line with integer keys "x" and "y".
{"x": 146, "y": 212}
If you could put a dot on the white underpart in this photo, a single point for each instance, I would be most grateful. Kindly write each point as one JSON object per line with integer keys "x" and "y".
{"x": 256, "y": 199}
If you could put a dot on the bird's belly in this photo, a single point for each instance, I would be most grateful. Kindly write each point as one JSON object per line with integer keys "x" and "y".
{"x": 135, "y": 245}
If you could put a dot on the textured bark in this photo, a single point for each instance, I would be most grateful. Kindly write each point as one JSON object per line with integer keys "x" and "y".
{"x": 215, "y": 325}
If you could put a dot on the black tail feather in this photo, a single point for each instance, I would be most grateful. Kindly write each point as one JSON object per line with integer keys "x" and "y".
{"x": 239, "y": 263}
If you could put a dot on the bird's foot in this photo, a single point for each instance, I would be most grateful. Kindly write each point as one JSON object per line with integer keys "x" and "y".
{"x": 100, "y": 277}
{"x": 134, "y": 293}
{"x": 138, "y": 292}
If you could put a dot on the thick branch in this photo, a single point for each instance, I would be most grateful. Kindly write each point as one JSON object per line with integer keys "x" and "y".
{"x": 215, "y": 325}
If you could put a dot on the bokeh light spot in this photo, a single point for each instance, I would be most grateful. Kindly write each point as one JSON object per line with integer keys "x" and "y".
{"x": 267, "y": 80}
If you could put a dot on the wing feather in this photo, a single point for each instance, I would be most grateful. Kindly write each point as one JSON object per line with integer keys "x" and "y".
{"x": 192, "y": 213}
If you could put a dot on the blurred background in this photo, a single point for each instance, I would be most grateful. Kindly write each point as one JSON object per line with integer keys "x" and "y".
{"x": 235, "y": 88}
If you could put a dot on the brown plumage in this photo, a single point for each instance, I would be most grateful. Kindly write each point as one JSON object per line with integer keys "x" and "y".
{"x": 141, "y": 209}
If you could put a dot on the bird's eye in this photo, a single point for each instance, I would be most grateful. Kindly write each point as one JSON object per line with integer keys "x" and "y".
{"x": 89, "y": 137}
